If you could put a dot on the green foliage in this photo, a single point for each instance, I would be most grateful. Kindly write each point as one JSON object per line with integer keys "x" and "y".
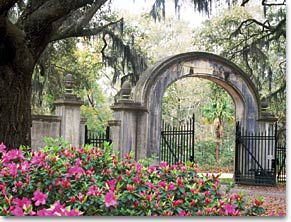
{"x": 219, "y": 106}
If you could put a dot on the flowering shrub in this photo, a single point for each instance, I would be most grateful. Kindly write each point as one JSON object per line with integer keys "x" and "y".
{"x": 69, "y": 181}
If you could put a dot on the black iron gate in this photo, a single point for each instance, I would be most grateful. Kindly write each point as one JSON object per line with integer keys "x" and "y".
{"x": 97, "y": 139}
{"x": 255, "y": 155}
{"x": 177, "y": 142}
{"x": 281, "y": 163}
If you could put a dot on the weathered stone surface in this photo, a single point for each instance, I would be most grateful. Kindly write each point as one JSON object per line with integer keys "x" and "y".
{"x": 44, "y": 126}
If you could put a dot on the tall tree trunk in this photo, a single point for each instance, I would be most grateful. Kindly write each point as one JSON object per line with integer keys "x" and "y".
{"x": 16, "y": 67}
{"x": 219, "y": 133}
{"x": 15, "y": 111}
{"x": 217, "y": 149}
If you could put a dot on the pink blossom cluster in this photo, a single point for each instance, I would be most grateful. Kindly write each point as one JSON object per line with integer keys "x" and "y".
{"x": 70, "y": 181}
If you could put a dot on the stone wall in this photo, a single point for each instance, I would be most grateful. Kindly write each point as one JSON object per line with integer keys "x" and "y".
{"x": 51, "y": 126}
{"x": 44, "y": 126}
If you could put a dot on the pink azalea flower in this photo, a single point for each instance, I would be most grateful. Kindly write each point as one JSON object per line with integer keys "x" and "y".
{"x": 151, "y": 169}
{"x": 171, "y": 186}
{"x": 78, "y": 162}
{"x": 207, "y": 193}
{"x": 163, "y": 165}
{"x": 177, "y": 202}
{"x": 180, "y": 182}
{"x": 193, "y": 202}
{"x": 45, "y": 212}
{"x": 39, "y": 197}
{"x": 17, "y": 211}
{"x": 21, "y": 203}
{"x": 111, "y": 184}
{"x": 207, "y": 201}
{"x": 150, "y": 185}
{"x": 12, "y": 155}
{"x": 174, "y": 167}
{"x": 229, "y": 209}
{"x": 110, "y": 199}
{"x": 182, "y": 213}
{"x": 149, "y": 197}
{"x": 162, "y": 184}
{"x": 94, "y": 191}
{"x": 138, "y": 167}
{"x": 137, "y": 180}
{"x": 2, "y": 148}
{"x": 18, "y": 184}
{"x": 280, "y": 214}
{"x": 201, "y": 182}
{"x": 2, "y": 186}
{"x": 36, "y": 160}
{"x": 58, "y": 207}
{"x": 127, "y": 156}
{"x": 12, "y": 169}
{"x": 72, "y": 213}
{"x": 27, "y": 178}
{"x": 199, "y": 213}
{"x": 72, "y": 199}
{"x": 76, "y": 170}
{"x": 130, "y": 188}
{"x": 183, "y": 168}
{"x": 80, "y": 196}
{"x": 24, "y": 166}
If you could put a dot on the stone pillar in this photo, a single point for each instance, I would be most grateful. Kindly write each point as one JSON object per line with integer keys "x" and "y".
{"x": 68, "y": 107}
{"x": 115, "y": 134}
{"x": 125, "y": 130}
{"x": 127, "y": 112}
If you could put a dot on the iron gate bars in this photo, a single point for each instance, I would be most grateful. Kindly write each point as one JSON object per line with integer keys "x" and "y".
{"x": 97, "y": 139}
{"x": 255, "y": 153}
{"x": 177, "y": 142}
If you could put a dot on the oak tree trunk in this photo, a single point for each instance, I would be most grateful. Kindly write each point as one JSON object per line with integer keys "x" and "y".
{"x": 15, "y": 112}
{"x": 16, "y": 67}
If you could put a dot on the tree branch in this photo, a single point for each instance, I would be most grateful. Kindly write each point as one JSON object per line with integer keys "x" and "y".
{"x": 41, "y": 24}
{"x": 78, "y": 25}
{"x": 83, "y": 32}
{"x": 5, "y": 5}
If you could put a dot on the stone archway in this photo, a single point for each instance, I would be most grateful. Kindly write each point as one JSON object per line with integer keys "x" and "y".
{"x": 138, "y": 118}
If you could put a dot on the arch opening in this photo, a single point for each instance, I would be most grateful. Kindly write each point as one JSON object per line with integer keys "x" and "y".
{"x": 198, "y": 124}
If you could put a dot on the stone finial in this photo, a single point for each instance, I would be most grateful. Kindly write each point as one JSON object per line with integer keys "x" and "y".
{"x": 264, "y": 104}
{"x": 125, "y": 90}
{"x": 69, "y": 84}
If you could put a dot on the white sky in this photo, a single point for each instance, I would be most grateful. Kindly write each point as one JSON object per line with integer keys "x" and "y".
{"x": 144, "y": 6}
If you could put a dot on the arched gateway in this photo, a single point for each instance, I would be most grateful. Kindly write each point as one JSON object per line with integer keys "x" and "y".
{"x": 137, "y": 124}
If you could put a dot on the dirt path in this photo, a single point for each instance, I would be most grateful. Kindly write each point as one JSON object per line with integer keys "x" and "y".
{"x": 274, "y": 197}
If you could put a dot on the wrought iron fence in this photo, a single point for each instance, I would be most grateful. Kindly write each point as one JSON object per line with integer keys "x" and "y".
{"x": 177, "y": 142}
{"x": 97, "y": 139}
{"x": 281, "y": 163}
{"x": 255, "y": 157}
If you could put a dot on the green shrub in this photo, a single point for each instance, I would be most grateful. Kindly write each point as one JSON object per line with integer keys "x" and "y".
{"x": 65, "y": 181}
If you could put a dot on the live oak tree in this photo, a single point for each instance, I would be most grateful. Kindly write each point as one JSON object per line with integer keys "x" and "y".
{"x": 26, "y": 28}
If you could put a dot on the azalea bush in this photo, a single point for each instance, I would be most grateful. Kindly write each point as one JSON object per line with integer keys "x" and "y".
{"x": 61, "y": 180}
